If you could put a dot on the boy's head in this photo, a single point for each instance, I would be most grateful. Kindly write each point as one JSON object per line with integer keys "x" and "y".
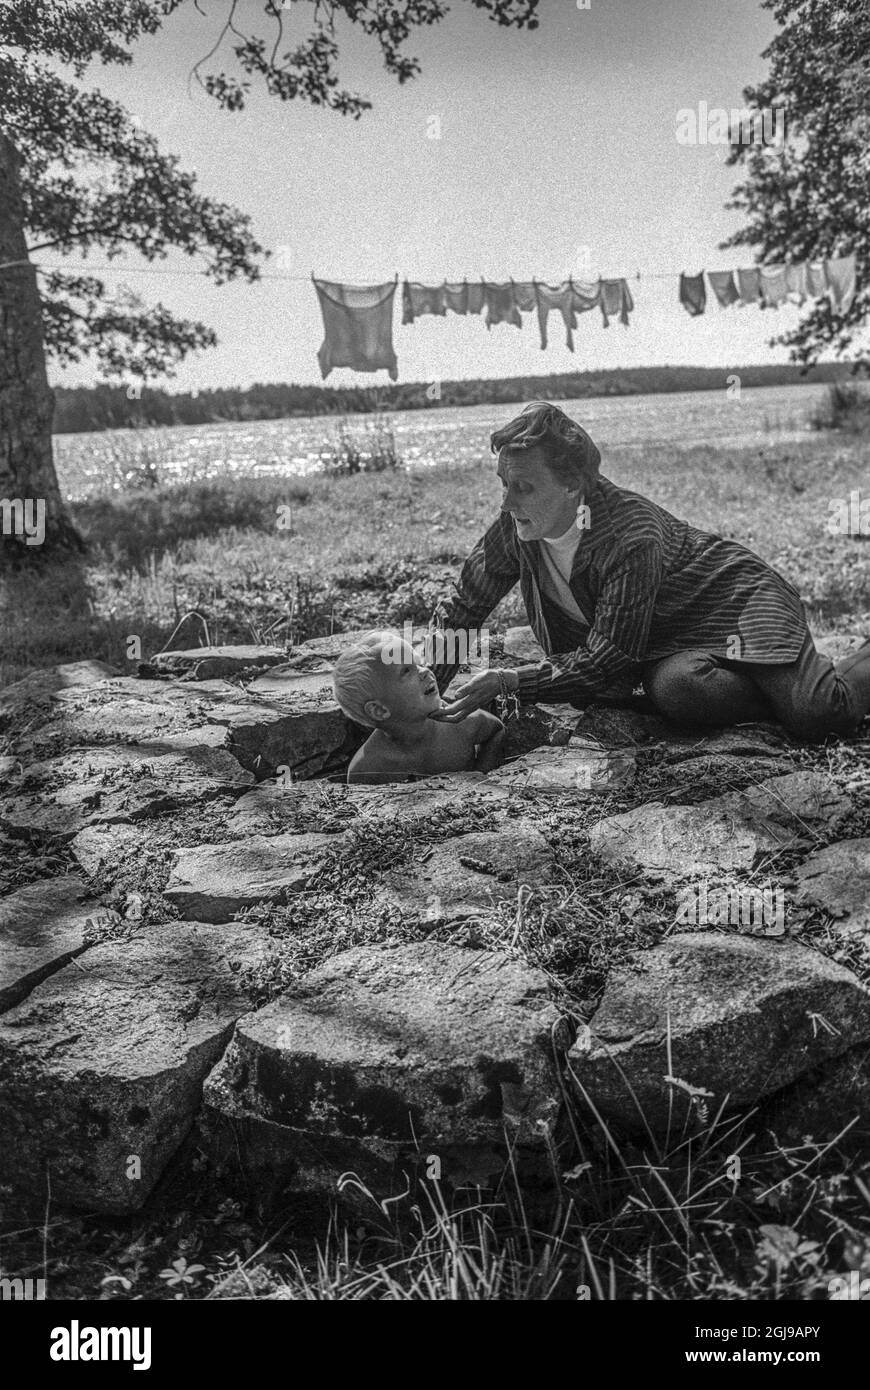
{"x": 379, "y": 682}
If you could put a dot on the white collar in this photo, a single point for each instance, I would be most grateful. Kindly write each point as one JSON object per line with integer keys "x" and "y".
{"x": 569, "y": 537}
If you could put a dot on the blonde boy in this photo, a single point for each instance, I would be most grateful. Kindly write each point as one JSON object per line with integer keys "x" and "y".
{"x": 379, "y": 683}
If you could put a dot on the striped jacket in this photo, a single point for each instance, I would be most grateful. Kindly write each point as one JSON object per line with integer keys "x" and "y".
{"x": 651, "y": 586}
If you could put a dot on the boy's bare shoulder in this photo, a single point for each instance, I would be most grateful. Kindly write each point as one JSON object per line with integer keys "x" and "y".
{"x": 375, "y": 762}
{"x": 482, "y": 722}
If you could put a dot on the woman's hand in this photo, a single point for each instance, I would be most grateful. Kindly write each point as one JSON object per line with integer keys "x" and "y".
{"x": 480, "y": 691}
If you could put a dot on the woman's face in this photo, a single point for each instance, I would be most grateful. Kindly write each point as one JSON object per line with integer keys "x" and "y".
{"x": 540, "y": 505}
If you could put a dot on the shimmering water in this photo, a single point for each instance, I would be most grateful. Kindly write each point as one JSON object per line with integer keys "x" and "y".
{"x": 454, "y": 436}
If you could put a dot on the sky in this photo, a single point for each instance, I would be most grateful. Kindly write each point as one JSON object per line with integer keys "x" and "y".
{"x": 556, "y": 149}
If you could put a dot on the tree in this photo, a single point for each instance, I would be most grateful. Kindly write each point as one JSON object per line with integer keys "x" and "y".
{"x": 809, "y": 198}
{"x": 78, "y": 173}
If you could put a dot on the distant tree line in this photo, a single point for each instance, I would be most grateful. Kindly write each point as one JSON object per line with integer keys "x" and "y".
{"x": 105, "y": 406}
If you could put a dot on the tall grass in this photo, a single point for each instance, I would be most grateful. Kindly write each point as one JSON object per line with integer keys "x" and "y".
{"x": 708, "y": 1215}
{"x": 366, "y": 448}
{"x": 845, "y": 407}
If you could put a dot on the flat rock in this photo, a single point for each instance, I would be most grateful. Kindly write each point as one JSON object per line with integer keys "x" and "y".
{"x": 722, "y": 835}
{"x": 449, "y": 794}
{"x": 212, "y": 882}
{"x": 837, "y": 879}
{"x": 424, "y": 1044}
{"x": 617, "y": 728}
{"x": 111, "y": 712}
{"x": 42, "y": 926}
{"x": 578, "y": 768}
{"x": 208, "y": 663}
{"x": 301, "y": 733}
{"x": 103, "y": 847}
{"x": 745, "y": 741}
{"x": 120, "y": 782}
{"x": 35, "y": 691}
{"x": 272, "y": 807}
{"x": 522, "y": 643}
{"x": 742, "y": 1018}
{"x": 302, "y": 675}
{"x": 466, "y": 873}
{"x": 539, "y": 726}
{"x": 103, "y": 1063}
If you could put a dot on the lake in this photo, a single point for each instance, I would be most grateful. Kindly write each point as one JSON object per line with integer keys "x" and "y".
{"x": 455, "y": 436}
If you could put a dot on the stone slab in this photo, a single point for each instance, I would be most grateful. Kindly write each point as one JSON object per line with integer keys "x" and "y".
{"x": 101, "y": 1067}
{"x": 35, "y": 692}
{"x": 837, "y": 879}
{"x": 521, "y": 642}
{"x": 42, "y": 926}
{"x": 120, "y": 782}
{"x": 465, "y": 874}
{"x": 420, "y": 1043}
{"x": 723, "y": 835}
{"x": 212, "y": 882}
{"x": 733, "y": 1017}
{"x": 209, "y": 663}
{"x": 573, "y": 771}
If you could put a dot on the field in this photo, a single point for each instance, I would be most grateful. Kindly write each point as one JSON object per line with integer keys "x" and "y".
{"x": 261, "y": 556}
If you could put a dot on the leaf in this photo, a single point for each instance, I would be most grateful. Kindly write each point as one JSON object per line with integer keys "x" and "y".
{"x": 779, "y": 1244}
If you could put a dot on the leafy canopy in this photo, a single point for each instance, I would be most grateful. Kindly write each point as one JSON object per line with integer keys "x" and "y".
{"x": 810, "y": 197}
{"x": 92, "y": 178}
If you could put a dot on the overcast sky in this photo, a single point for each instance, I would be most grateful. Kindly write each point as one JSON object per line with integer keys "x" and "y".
{"x": 550, "y": 142}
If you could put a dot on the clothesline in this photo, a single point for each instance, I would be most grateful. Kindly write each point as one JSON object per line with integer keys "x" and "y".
{"x": 87, "y": 266}
{"x": 358, "y": 319}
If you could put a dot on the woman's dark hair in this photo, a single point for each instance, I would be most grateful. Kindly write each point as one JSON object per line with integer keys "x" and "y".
{"x": 570, "y": 453}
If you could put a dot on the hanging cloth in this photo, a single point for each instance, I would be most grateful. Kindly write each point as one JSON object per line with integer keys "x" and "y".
{"x": 560, "y": 297}
{"x": 749, "y": 284}
{"x": 585, "y": 295}
{"x": 615, "y": 299}
{"x": 463, "y": 298}
{"x": 421, "y": 299}
{"x": 524, "y": 295}
{"x": 693, "y": 294}
{"x": 723, "y": 286}
{"x": 842, "y": 274}
{"x": 796, "y": 282}
{"x": 774, "y": 285}
{"x": 476, "y": 297}
{"x": 456, "y": 297}
{"x": 817, "y": 279}
{"x": 500, "y": 306}
{"x": 358, "y": 327}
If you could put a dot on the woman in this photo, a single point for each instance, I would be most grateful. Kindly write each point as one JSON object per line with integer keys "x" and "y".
{"x": 618, "y": 592}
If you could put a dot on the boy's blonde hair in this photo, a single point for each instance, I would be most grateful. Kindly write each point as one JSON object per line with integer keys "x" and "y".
{"x": 352, "y": 678}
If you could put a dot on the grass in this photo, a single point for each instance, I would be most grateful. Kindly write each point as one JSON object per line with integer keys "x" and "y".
{"x": 724, "y": 1212}
{"x": 846, "y": 407}
{"x": 377, "y": 547}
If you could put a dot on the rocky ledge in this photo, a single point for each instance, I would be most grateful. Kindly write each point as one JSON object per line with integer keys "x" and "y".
{"x": 321, "y": 979}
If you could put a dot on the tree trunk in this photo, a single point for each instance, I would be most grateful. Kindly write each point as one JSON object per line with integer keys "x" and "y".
{"x": 33, "y": 520}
